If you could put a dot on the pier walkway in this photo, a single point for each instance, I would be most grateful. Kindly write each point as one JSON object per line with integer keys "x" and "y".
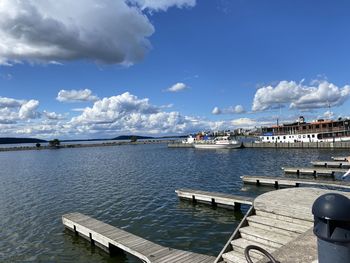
{"x": 313, "y": 171}
{"x": 215, "y": 199}
{"x": 278, "y": 181}
{"x": 114, "y": 239}
{"x": 334, "y": 164}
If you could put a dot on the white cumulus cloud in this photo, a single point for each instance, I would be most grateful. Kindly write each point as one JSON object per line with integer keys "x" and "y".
{"x": 230, "y": 110}
{"x": 10, "y": 103}
{"x": 53, "y": 115}
{"x": 28, "y": 110}
{"x": 300, "y": 96}
{"x": 76, "y": 95}
{"x": 104, "y": 31}
{"x": 177, "y": 87}
{"x": 163, "y": 4}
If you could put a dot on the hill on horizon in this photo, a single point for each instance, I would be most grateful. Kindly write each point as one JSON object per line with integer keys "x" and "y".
{"x": 13, "y": 140}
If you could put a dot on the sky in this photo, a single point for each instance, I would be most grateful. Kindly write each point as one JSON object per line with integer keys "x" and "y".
{"x": 101, "y": 68}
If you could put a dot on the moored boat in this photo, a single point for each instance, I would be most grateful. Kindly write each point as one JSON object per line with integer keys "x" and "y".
{"x": 301, "y": 131}
{"x": 221, "y": 142}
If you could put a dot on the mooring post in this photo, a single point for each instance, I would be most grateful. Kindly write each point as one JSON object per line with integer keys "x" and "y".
{"x": 237, "y": 206}
{"x": 194, "y": 199}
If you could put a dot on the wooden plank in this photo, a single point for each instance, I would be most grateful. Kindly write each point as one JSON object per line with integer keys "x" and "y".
{"x": 214, "y": 198}
{"x": 290, "y": 182}
{"x": 143, "y": 249}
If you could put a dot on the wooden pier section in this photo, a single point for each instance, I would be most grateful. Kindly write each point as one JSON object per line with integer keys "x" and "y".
{"x": 339, "y": 158}
{"x": 277, "y": 181}
{"x": 215, "y": 199}
{"x": 114, "y": 240}
{"x": 313, "y": 171}
{"x": 330, "y": 164}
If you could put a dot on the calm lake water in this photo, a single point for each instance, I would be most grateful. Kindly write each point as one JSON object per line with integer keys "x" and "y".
{"x": 131, "y": 187}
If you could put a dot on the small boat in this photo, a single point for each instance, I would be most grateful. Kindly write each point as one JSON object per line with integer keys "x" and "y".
{"x": 222, "y": 142}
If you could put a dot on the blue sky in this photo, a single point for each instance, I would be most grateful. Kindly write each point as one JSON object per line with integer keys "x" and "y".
{"x": 163, "y": 67}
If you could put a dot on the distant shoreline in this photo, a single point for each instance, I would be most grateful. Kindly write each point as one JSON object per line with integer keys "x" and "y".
{"x": 80, "y": 145}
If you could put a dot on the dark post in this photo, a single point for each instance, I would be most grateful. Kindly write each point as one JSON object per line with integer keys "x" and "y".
{"x": 332, "y": 227}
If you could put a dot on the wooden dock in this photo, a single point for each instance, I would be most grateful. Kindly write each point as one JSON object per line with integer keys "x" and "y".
{"x": 215, "y": 199}
{"x": 339, "y": 158}
{"x": 115, "y": 240}
{"x": 313, "y": 171}
{"x": 330, "y": 164}
{"x": 291, "y": 182}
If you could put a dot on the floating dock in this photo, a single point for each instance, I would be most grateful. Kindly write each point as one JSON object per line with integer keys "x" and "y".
{"x": 339, "y": 158}
{"x": 115, "y": 240}
{"x": 315, "y": 172}
{"x": 215, "y": 199}
{"x": 291, "y": 182}
{"x": 334, "y": 164}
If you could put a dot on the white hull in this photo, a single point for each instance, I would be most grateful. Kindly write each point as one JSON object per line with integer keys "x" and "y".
{"x": 291, "y": 138}
{"x": 216, "y": 146}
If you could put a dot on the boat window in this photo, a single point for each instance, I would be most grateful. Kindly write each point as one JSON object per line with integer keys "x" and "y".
{"x": 273, "y": 138}
{"x": 308, "y": 135}
{"x": 319, "y": 136}
{"x": 278, "y": 137}
{"x": 313, "y": 135}
{"x": 303, "y": 136}
{"x": 284, "y": 137}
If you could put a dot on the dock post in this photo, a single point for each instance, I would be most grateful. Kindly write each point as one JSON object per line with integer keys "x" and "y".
{"x": 276, "y": 184}
{"x": 237, "y": 207}
{"x": 298, "y": 173}
{"x": 314, "y": 174}
{"x": 297, "y": 184}
{"x": 91, "y": 240}
{"x": 257, "y": 182}
{"x": 75, "y": 230}
{"x": 213, "y": 203}
{"x": 194, "y": 199}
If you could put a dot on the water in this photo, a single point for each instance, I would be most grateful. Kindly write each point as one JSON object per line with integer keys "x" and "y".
{"x": 131, "y": 187}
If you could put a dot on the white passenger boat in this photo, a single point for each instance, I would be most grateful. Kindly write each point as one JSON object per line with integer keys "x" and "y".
{"x": 301, "y": 131}
{"x": 222, "y": 142}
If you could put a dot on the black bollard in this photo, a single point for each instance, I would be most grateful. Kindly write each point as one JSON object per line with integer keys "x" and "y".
{"x": 332, "y": 228}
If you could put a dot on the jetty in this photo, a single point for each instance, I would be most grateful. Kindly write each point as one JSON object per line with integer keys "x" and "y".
{"x": 278, "y": 181}
{"x": 338, "y": 158}
{"x": 115, "y": 240}
{"x": 315, "y": 172}
{"x": 334, "y": 164}
{"x": 214, "y": 199}
{"x": 280, "y": 222}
